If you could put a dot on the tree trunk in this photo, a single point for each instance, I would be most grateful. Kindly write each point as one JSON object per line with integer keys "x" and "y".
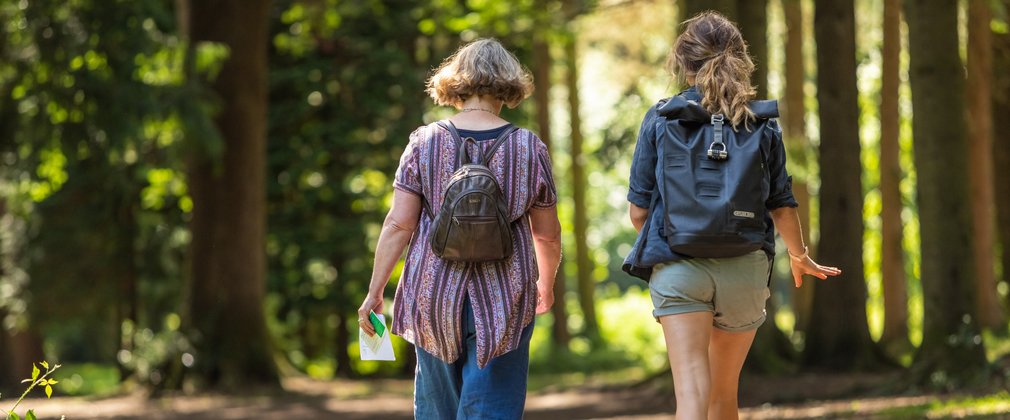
{"x": 794, "y": 127}
{"x": 838, "y": 337}
{"x": 951, "y": 350}
{"x": 772, "y": 349}
{"x": 127, "y": 270}
{"x": 227, "y": 257}
{"x": 345, "y": 311}
{"x": 1001, "y": 143}
{"x": 892, "y": 258}
{"x": 753, "y": 23}
{"x": 980, "y": 174}
{"x": 541, "y": 96}
{"x": 584, "y": 265}
{"x": 18, "y": 350}
{"x": 690, "y": 8}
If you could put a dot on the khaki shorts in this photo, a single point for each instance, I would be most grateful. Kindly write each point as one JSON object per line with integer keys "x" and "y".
{"x": 733, "y": 289}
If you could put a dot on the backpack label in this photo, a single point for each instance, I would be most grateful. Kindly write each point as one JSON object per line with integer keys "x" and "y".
{"x": 741, "y": 213}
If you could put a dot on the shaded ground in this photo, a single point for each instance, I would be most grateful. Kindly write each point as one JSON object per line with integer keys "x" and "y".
{"x": 793, "y": 397}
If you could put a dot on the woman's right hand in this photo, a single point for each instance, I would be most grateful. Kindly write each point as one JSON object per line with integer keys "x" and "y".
{"x": 807, "y": 265}
{"x": 371, "y": 304}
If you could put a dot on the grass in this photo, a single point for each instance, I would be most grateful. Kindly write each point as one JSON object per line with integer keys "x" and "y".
{"x": 556, "y": 382}
{"x": 89, "y": 379}
{"x": 964, "y": 407}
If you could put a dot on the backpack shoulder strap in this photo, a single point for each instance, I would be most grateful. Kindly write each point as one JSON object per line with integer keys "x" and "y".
{"x": 462, "y": 155}
{"x": 498, "y": 142}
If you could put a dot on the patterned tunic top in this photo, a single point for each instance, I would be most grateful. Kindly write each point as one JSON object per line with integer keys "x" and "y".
{"x": 428, "y": 305}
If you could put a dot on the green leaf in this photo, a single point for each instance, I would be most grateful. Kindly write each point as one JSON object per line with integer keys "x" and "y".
{"x": 45, "y": 364}
{"x": 30, "y": 415}
{"x": 53, "y": 382}
{"x": 49, "y": 391}
{"x": 35, "y": 372}
{"x": 13, "y": 416}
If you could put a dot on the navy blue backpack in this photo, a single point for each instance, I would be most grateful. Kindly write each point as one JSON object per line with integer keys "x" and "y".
{"x": 715, "y": 180}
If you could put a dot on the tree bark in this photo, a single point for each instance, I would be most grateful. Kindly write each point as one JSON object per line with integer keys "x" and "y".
{"x": 18, "y": 350}
{"x": 127, "y": 270}
{"x": 753, "y": 23}
{"x": 794, "y": 127}
{"x": 772, "y": 349}
{"x": 1001, "y": 143}
{"x": 839, "y": 337}
{"x": 541, "y": 96}
{"x": 892, "y": 258}
{"x": 980, "y": 174}
{"x": 227, "y": 252}
{"x": 584, "y": 265}
{"x": 951, "y": 347}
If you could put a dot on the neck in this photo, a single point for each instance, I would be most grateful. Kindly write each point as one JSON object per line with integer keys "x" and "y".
{"x": 477, "y": 103}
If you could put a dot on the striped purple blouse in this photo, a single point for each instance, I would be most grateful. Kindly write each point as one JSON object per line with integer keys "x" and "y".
{"x": 428, "y": 305}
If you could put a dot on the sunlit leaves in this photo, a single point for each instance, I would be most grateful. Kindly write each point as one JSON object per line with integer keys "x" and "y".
{"x": 210, "y": 57}
{"x": 161, "y": 184}
{"x": 163, "y": 67}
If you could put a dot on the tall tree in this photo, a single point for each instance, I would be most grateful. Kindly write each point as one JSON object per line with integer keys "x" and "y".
{"x": 1001, "y": 142}
{"x": 839, "y": 336}
{"x": 892, "y": 258}
{"x": 952, "y": 349}
{"x": 980, "y": 172}
{"x": 752, "y": 19}
{"x": 227, "y": 252}
{"x": 542, "y": 63}
{"x": 794, "y": 129}
{"x": 580, "y": 225}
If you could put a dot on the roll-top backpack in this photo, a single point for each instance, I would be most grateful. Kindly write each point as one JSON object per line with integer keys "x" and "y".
{"x": 715, "y": 180}
{"x": 472, "y": 224}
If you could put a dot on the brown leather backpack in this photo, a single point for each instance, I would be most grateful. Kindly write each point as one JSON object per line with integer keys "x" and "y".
{"x": 472, "y": 224}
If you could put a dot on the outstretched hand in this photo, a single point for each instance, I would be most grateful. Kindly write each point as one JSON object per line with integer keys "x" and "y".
{"x": 809, "y": 266}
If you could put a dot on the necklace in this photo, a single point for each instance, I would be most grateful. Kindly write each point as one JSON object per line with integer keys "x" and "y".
{"x": 478, "y": 109}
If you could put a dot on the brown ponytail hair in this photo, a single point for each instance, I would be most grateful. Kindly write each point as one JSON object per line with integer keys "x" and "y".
{"x": 712, "y": 51}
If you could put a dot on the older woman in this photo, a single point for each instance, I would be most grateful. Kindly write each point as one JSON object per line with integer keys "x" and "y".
{"x": 470, "y": 322}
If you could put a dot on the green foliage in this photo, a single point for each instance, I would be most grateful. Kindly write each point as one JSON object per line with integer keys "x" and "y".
{"x": 94, "y": 102}
{"x": 88, "y": 379}
{"x": 987, "y": 406}
{"x": 38, "y": 378}
{"x": 634, "y": 339}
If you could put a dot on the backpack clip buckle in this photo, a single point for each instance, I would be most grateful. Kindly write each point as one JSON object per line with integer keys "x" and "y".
{"x": 717, "y": 121}
{"x": 717, "y": 154}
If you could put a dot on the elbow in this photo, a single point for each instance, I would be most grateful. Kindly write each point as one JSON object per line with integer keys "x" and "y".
{"x": 547, "y": 232}
{"x": 551, "y": 235}
{"x": 638, "y": 215}
{"x": 395, "y": 225}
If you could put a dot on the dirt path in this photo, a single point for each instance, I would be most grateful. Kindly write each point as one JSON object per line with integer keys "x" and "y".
{"x": 391, "y": 399}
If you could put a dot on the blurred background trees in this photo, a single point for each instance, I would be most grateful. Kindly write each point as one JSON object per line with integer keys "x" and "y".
{"x": 190, "y": 192}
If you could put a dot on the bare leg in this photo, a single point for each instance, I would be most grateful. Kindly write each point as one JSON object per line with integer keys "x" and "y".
{"x": 687, "y": 341}
{"x": 727, "y": 352}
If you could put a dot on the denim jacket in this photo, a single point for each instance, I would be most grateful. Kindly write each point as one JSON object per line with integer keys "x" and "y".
{"x": 651, "y": 246}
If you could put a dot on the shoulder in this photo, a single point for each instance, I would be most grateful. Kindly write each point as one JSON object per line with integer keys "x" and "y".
{"x": 424, "y": 134}
{"x": 652, "y": 114}
{"x": 526, "y": 136}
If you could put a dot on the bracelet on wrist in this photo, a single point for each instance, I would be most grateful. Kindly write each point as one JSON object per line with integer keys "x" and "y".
{"x": 801, "y": 257}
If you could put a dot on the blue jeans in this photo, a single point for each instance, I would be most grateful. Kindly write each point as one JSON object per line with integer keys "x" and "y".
{"x": 461, "y": 390}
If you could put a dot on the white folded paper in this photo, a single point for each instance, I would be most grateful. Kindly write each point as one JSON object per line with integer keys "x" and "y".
{"x": 375, "y": 347}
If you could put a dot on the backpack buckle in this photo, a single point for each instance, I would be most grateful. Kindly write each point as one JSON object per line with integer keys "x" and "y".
{"x": 717, "y": 121}
{"x": 717, "y": 154}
